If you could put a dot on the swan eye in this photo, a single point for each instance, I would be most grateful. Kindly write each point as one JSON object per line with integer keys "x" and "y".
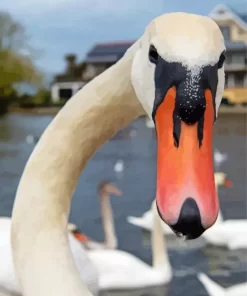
{"x": 153, "y": 54}
{"x": 221, "y": 60}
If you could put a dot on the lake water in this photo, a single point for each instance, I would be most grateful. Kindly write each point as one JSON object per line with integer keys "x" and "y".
{"x": 136, "y": 146}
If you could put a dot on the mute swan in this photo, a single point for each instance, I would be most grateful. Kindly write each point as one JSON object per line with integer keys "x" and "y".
{"x": 226, "y": 233}
{"x": 180, "y": 56}
{"x": 121, "y": 270}
{"x": 215, "y": 289}
{"x": 8, "y": 281}
{"x": 146, "y": 220}
{"x": 104, "y": 190}
{"x": 229, "y": 233}
{"x": 238, "y": 242}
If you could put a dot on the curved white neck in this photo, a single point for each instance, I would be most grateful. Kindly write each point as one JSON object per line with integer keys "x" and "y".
{"x": 159, "y": 248}
{"x": 108, "y": 222}
{"x": 220, "y": 217}
{"x": 41, "y": 253}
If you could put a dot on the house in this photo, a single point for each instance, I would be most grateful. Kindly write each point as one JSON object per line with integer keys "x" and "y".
{"x": 103, "y": 55}
{"x": 100, "y": 57}
{"x": 234, "y": 29}
{"x": 65, "y": 85}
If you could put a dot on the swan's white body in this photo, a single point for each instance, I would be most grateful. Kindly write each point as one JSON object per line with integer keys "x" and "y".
{"x": 232, "y": 232}
{"x": 121, "y": 270}
{"x": 215, "y": 289}
{"x": 146, "y": 222}
{"x": 8, "y": 281}
{"x": 125, "y": 91}
{"x": 239, "y": 242}
{"x": 87, "y": 270}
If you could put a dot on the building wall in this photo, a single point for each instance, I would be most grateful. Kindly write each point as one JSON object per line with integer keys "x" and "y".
{"x": 236, "y": 77}
{"x": 74, "y": 86}
{"x": 236, "y": 33}
{"x": 236, "y": 61}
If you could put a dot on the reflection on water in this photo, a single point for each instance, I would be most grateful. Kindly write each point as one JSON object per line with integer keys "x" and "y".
{"x": 136, "y": 146}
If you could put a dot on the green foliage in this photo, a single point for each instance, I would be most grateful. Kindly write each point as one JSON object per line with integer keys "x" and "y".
{"x": 17, "y": 69}
{"x": 41, "y": 99}
{"x": 16, "y": 60}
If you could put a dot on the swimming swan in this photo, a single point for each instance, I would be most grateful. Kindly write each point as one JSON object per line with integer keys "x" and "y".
{"x": 110, "y": 242}
{"x": 229, "y": 233}
{"x": 179, "y": 55}
{"x": 238, "y": 242}
{"x": 215, "y": 289}
{"x": 121, "y": 270}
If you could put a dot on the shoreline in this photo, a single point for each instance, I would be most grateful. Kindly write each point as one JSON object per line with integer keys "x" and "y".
{"x": 36, "y": 111}
{"x": 55, "y": 110}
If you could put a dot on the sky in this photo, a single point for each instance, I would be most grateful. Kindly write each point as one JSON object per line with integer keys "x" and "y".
{"x": 58, "y": 27}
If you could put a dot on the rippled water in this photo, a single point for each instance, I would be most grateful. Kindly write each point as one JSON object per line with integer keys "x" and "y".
{"x": 136, "y": 146}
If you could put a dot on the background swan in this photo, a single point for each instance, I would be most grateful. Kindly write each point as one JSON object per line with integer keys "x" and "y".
{"x": 7, "y": 275}
{"x": 238, "y": 242}
{"x": 93, "y": 115}
{"x": 226, "y": 232}
{"x": 146, "y": 220}
{"x": 8, "y": 281}
{"x": 118, "y": 269}
{"x": 229, "y": 233}
{"x": 122, "y": 270}
{"x": 215, "y": 289}
{"x": 110, "y": 238}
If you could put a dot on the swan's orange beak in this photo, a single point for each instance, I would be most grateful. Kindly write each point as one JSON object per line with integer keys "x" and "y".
{"x": 228, "y": 183}
{"x": 81, "y": 237}
{"x": 186, "y": 195}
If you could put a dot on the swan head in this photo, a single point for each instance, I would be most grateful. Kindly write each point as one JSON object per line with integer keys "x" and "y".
{"x": 73, "y": 229}
{"x": 221, "y": 179}
{"x": 106, "y": 188}
{"x": 178, "y": 76}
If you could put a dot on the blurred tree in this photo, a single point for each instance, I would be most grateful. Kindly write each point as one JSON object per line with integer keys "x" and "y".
{"x": 42, "y": 97}
{"x": 16, "y": 60}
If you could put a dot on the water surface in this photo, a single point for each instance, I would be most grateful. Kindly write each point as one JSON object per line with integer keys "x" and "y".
{"x": 136, "y": 146}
